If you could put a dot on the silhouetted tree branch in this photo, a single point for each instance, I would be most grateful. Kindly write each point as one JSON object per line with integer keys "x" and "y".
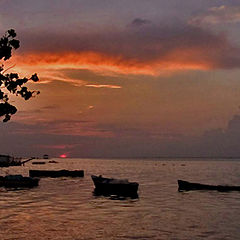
{"x": 11, "y": 83}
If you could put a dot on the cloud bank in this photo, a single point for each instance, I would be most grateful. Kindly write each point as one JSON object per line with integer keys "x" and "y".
{"x": 110, "y": 140}
{"x": 151, "y": 50}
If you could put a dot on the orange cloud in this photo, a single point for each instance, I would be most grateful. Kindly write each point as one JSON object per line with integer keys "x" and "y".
{"x": 103, "y": 86}
{"x": 149, "y": 49}
{"x": 177, "y": 60}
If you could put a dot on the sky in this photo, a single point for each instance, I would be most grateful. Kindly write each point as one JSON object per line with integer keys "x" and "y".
{"x": 129, "y": 78}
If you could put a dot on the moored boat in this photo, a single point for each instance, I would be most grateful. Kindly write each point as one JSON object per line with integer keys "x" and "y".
{"x": 7, "y": 161}
{"x": 18, "y": 181}
{"x": 114, "y": 186}
{"x": 56, "y": 173}
{"x": 52, "y": 161}
{"x": 188, "y": 186}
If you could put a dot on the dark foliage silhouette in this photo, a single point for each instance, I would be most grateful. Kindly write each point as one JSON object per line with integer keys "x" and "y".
{"x": 11, "y": 83}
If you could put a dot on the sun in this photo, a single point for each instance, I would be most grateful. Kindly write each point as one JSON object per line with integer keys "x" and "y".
{"x": 63, "y": 156}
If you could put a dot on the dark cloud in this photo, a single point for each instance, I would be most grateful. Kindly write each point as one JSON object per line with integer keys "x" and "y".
{"x": 224, "y": 142}
{"x": 28, "y": 140}
{"x": 138, "y": 22}
{"x": 216, "y": 143}
{"x": 176, "y": 44}
{"x": 35, "y": 140}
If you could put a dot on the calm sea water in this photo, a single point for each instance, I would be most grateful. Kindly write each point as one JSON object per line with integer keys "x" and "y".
{"x": 65, "y": 208}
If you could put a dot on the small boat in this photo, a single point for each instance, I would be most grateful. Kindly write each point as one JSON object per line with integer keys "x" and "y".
{"x": 18, "y": 181}
{"x": 45, "y": 156}
{"x": 52, "y": 161}
{"x": 108, "y": 186}
{"x": 188, "y": 186}
{"x": 39, "y": 162}
{"x": 56, "y": 173}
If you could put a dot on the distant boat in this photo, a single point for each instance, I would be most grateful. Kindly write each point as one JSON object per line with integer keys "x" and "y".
{"x": 114, "y": 186}
{"x": 6, "y": 161}
{"x": 56, "y": 173}
{"x": 39, "y": 162}
{"x": 188, "y": 186}
{"x": 18, "y": 181}
{"x": 45, "y": 156}
{"x": 52, "y": 161}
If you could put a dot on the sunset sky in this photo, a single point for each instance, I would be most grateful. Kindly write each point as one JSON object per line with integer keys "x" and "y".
{"x": 129, "y": 78}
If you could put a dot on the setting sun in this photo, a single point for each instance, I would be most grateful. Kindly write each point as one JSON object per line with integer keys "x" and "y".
{"x": 63, "y": 156}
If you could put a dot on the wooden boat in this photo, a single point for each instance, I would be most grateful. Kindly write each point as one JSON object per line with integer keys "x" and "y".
{"x": 114, "y": 186}
{"x": 56, "y": 173}
{"x": 188, "y": 186}
{"x": 39, "y": 162}
{"x": 18, "y": 181}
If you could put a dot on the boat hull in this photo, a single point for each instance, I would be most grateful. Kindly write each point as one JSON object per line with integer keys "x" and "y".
{"x": 55, "y": 174}
{"x": 188, "y": 186}
{"x": 107, "y": 186}
{"x": 18, "y": 181}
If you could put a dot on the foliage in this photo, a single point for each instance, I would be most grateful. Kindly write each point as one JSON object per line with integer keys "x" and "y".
{"x": 11, "y": 83}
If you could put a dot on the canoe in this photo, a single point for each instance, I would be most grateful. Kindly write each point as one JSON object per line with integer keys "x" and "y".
{"x": 18, "y": 181}
{"x": 56, "y": 173}
{"x": 107, "y": 186}
{"x": 188, "y": 186}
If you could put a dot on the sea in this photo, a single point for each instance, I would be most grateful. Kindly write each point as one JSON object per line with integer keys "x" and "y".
{"x": 67, "y": 209}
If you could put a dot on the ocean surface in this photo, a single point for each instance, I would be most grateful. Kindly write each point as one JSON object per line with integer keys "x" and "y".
{"x": 66, "y": 208}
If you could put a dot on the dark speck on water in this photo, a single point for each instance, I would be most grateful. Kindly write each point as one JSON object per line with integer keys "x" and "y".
{"x": 66, "y": 208}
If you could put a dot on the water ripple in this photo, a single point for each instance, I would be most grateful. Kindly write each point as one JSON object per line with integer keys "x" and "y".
{"x": 65, "y": 208}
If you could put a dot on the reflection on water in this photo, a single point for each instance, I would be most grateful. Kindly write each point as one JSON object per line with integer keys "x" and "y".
{"x": 114, "y": 196}
{"x": 67, "y": 208}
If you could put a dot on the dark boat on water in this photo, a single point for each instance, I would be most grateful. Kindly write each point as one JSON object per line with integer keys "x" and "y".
{"x": 18, "y": 181}
{"x": 39, "y": 162}
{"x": 7, "y": 161}
{"x": 52, "y": 161}
{"x": 108, "y": 186}
{"x": 56, "y": 173}
{"x": 188, "y": 186}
